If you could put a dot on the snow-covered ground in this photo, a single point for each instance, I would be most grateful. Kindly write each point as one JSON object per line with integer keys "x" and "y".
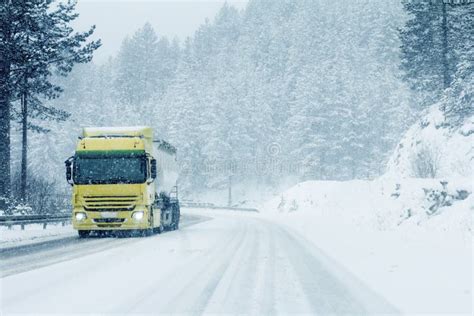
{"x": 307, "y": 260}
{"x": 32, "y": 234}
{"x": 420, "y": 263}
{"x": 236, "y": 263}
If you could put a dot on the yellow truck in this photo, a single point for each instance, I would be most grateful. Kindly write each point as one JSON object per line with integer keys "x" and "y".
{"x": 123, "y": 180}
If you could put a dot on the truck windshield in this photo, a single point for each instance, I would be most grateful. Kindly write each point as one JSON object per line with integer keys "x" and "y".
{"x": 109, "y": 170}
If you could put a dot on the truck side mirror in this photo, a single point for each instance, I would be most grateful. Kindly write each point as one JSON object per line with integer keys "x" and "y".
{"x": 68, "y": 163}
{"x": 153, "y": 169}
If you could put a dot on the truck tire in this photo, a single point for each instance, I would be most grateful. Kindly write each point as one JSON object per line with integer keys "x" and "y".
{"x": 176, "y": 222}
{"x": 176, "y": 216}
{"x": 83, "y": 233}
{"x": 147, "y": 232}
{"x": 160, "y": 229}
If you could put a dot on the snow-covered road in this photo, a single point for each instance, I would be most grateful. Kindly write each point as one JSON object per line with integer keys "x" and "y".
{"x": 233, "y": 263}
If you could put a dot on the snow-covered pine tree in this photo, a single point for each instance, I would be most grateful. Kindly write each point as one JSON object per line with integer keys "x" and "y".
{"x": 431, "y": 40}
{"x": 179, "y": 119}
{"x": 35, "y": 39}
{"x": 145, "y": 66}
{"x": 317, "y": 78}
{"x": 7, "y": 16}
{"x": 457, "y": 102}
{"x": 137, "y": 63}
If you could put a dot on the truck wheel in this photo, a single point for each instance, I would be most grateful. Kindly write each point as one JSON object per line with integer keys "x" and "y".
{"x": 160, "y": 229}
{"x": 176, "y": 218}
{"x": 179, "y": 218}
{"x": 175, "y": 224}
{"x": 83, "y": 233}
{"x": 147, "y": 232}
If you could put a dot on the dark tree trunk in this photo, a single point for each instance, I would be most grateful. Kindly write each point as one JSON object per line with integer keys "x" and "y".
{"x": 24, "y": 148}
{"x": 446, "y": 76}
{"x": 4, "y": 133}
{"x": 5, "y": 65}
{"x": 24, "y": 127}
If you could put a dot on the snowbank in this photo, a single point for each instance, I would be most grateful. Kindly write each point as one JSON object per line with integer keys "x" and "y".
{"x": 382, "y": 204}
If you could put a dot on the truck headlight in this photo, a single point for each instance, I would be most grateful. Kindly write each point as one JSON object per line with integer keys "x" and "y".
{"x": 138, "y": 216}
{"x": 80, "y": 216}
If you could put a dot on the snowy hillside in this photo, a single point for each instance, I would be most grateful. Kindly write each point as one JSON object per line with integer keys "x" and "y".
{"x": 432, "y": 148}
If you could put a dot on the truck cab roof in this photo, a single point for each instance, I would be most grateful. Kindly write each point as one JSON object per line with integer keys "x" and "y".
{"x": 130, "y": 131}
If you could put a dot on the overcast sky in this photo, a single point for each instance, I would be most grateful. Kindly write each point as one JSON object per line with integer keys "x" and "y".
{"x": 116, "y": 19}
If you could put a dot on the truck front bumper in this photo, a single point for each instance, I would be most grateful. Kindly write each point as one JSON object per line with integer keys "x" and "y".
{"x": 110, "y": 220}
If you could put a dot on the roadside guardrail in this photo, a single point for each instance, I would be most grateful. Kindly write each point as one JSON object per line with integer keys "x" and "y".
{"x": 45, "y": 219}
{"x": 216, "y": 207}
{"x": 22, "y": 220}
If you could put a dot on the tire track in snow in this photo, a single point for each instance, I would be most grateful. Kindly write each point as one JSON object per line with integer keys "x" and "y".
{"x": 265, "y": 287}
{"x": 323, "y": 291}
{"x": 329, "y": 288}
{"x": 224, "y": 268}
{"x": 233, "y": 293}
{"x": 290, "y": 296}
{"x": 192, "y": 281}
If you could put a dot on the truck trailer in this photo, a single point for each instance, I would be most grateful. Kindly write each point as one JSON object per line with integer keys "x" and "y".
{"x": 123, "y": 180}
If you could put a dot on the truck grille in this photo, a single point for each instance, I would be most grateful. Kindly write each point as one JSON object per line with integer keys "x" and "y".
{"x": 110, "y": 225}
{"x": 110, "y": 203}
{"x": 109, "y": 220}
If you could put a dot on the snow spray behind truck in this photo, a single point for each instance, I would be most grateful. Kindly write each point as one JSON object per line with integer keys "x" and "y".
{"x": 123, "y": 180}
